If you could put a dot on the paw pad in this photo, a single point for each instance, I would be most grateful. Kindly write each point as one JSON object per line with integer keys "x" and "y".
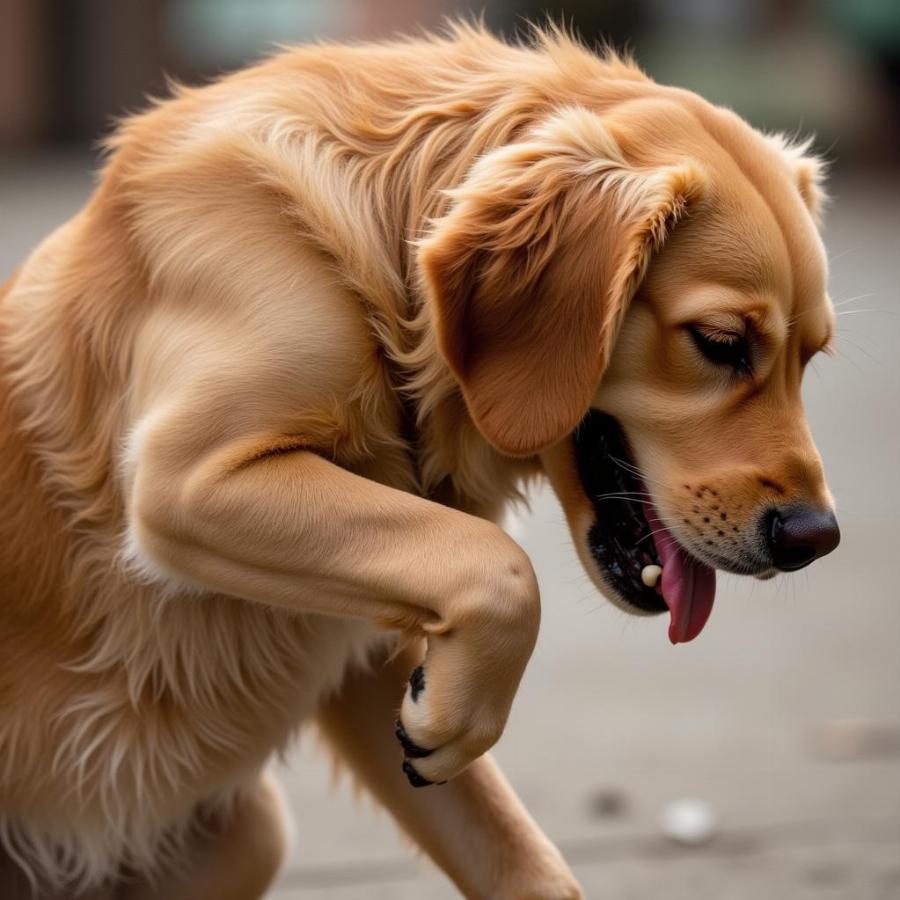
{"x": 410, "y": 747}
{"x": 417, "y": 682}
{"x": 415, "y": 779}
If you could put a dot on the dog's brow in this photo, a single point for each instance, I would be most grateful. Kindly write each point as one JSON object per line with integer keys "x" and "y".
{"x": 767, "y": 322}
{"x": 721, "y": 305}
{"x": 822, "y": 344}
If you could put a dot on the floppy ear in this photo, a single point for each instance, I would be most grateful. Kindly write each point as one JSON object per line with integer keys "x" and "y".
{"x": 530, "y": 271}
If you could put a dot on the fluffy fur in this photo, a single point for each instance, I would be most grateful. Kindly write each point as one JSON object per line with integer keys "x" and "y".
{"x": 380, "y": 252}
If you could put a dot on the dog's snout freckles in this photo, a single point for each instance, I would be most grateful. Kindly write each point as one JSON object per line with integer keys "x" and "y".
{"x": 718, "y": 518}
{"x": 712, "y": 520}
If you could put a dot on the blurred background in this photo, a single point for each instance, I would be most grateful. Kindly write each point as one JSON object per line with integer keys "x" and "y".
{"x": 780, "y": 727}
{"x": 827, "y": 66}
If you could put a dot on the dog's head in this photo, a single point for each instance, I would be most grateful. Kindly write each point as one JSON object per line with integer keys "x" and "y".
{"x": 635, "y": 298}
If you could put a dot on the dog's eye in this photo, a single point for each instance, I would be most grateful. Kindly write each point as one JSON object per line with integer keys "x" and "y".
{"x": 723, "y": 348}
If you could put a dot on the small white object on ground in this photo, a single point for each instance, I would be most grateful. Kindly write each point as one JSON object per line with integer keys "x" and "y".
{"x": 650, "y": 575}
{"x": 688, "y": 821}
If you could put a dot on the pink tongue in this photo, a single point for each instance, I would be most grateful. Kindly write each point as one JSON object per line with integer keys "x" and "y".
{"x": 688, "y": 585}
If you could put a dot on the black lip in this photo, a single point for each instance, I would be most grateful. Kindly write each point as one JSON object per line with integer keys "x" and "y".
{"x": 620, "y": 540}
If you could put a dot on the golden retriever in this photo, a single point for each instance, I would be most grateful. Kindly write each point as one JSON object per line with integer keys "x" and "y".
{"x": 265, "y": 396}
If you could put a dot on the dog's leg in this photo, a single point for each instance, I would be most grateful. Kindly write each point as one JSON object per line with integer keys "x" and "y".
{"x": 238, "y": 409}
{"x": 233, "y": 857}
{"x": 474, "y": 827}
{"x": 285, "y": 527}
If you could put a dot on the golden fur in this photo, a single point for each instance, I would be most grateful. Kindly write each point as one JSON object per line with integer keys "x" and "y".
{"x": 262, "y": 397}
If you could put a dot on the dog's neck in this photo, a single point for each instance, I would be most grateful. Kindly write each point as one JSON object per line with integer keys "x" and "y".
{"x": 410, "y": 162}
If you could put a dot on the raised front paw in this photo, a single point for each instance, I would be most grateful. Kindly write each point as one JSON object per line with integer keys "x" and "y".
{"x": 457, "y": 702}
{"x": 447, "y": 737}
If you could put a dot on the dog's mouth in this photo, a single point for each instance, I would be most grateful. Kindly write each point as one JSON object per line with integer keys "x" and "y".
{"x": 628, "y": 536}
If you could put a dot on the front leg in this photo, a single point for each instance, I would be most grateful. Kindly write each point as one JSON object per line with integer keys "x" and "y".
{"x": 282, "y": 526}
{"x": 238, "y": 404}
{"x": 474, "y": 828}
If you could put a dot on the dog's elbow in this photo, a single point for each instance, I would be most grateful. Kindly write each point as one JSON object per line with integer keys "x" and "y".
{"x": 177, "y": 514}
{"x": 153, "y": 541}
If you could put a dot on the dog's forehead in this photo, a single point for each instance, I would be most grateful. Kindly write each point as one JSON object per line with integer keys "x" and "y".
{"x": 753, "y": 252}
{"x": 805, "y": 303}
{"x": 794, "y": 249}
{"x": 728, "y": 256}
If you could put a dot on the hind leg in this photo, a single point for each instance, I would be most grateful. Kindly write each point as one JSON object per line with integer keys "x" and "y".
{"x": 235, "y": 859}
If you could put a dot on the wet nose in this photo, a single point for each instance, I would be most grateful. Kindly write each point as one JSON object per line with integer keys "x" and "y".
{"x": 800, "y": 534}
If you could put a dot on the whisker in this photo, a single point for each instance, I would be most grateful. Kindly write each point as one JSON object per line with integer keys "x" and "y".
{"x": 853, "y": 299}
{"x": 861, "y": 334}
{"x": 805, "y": 312}
{"x": 625, "y": 495}
{"x": 843, "y": 253}
{"x": 853, "y": 312}
{"x": 842, "y": 337}
{"x": 849, "y": 359}
{"x": 625, "y": 465}
{"x": 635, "y": 471}
{"x": 653, "y": 533}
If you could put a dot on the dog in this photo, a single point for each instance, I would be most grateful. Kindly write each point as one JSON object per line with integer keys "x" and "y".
{"x": 264, "y": 400}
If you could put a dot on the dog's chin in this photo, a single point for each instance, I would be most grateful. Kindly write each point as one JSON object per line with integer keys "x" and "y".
{"x": 625, "y": 534}
{"x": 618, "y": 543}
{"x": 633, "y": 602}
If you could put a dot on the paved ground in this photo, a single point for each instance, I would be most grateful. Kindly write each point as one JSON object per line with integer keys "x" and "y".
{"x": 747, "y": 717}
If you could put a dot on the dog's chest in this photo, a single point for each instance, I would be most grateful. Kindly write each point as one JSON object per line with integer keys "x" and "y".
{"x": 178, "y": 706}
{"x": 242, "y": 678}
{"x": 208, "y": 689}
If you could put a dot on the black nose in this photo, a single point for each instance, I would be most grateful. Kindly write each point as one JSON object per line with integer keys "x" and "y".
{"x": 799, "y": 534}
